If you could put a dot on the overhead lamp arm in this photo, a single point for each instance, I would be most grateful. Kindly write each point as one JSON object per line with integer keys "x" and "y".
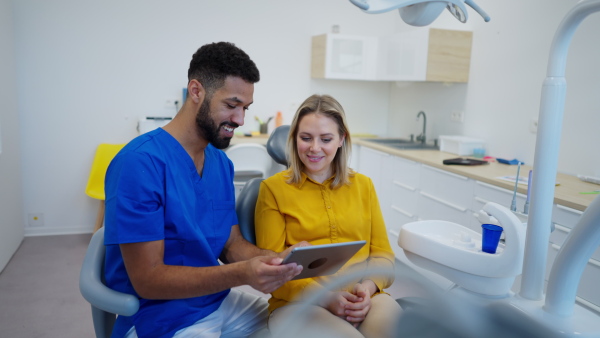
{"x": 420, "y": 12}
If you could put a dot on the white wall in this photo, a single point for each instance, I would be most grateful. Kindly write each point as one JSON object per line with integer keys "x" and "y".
{"x": 508, "y": 66}
{"x": 11, "y": 217}
{"x": 88, "y": 70}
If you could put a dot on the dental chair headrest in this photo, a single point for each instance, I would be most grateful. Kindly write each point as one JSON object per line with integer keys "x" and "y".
{"x": 277, "y": 144}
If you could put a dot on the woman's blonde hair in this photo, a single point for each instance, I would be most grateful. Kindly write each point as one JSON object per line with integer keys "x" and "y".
{"x": 324, "y": 105}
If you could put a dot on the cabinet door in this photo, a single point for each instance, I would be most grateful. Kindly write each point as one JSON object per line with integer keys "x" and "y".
{"x": 417, "y": 55}
{"x": 438, "y": 55}
{"x": 338, "y": 56}
{"x": 484, "y": 193}
{"x": 377, "y": 165}
{"x": 370, "y": 165}
{"x": 445, "y": 196}
{"x": 564, "y": 220}
{"x": 405, "y": 187}
{"x": 403, "y": 56}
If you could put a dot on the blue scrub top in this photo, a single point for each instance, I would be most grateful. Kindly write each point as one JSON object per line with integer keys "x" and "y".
{"x": 154, "y": 192}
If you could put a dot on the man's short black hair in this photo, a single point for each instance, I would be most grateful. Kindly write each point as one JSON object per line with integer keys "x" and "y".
{"x": 212, "y": 63}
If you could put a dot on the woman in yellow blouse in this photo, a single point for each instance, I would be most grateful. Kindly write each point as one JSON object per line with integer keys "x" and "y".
{"x": 319, "y": 199}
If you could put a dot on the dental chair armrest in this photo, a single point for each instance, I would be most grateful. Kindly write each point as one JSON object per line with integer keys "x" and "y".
{"x": 92, "y": 287}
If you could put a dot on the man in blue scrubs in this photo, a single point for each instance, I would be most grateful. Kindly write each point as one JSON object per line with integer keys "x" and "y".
{"x": 170, "y": 215}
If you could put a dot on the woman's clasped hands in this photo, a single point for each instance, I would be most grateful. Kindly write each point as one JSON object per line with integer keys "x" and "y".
{"x": 351, "y": 306}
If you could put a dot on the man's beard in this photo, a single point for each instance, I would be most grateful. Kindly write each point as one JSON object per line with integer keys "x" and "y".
{"x": 208, "y": 129}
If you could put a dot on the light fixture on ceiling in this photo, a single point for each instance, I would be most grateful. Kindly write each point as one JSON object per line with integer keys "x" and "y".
{"x": 420, "y": 12}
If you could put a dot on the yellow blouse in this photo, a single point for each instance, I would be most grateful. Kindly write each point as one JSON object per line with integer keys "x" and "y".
{"x": 287, "y": 214}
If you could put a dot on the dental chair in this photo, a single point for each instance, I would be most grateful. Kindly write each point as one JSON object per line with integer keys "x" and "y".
{"x": 246, "y": 202}
{"x": 277, "y": 144}
{"x": 250, "y": 160}
{"x": 107, "y": 303}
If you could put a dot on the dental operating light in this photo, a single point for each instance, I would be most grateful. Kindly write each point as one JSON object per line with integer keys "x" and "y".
{"x": 421, "y": 12}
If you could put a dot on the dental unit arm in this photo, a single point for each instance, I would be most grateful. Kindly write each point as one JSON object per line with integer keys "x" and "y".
{"x": 585, "y": 237}
{"x": 557, "y": 309}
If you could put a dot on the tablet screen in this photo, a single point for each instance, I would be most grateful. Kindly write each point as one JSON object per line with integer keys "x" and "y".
{"x": 322, "y": 260}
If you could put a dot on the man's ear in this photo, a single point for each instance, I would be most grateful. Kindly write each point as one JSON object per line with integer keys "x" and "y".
{"x": 196, "y": 91}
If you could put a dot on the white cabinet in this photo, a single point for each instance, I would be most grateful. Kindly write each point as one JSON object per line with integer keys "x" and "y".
{"x": 425, "y": 54}
{"x": 410, "y": 191}
{"x": 377, "y": 165}
{"x": 339, "y": 56}
{"x": 444, "y": 196}
{"x": 405, "y": 191}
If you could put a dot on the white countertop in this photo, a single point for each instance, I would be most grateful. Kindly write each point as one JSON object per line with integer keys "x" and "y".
{"x": 567, "y": 193}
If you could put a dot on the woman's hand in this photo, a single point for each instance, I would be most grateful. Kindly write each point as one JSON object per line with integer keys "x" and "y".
{"x": 357, "y": 311}
{"x": 287, "y": 251}
{"x": 337, "y": 302}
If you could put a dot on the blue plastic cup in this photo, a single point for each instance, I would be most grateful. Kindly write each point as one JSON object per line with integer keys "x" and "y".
{"x": 490, "y": 237}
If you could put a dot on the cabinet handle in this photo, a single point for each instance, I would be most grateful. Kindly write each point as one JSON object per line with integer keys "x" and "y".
{"x": 481, "y": 200}
{"x": 402, "y": 185}
{"x": 590, "y": 261}
{"x": 588, "y": 304}
{"x": 377, "y": 152}
{"x": 561, "y": 228}
{"x": 448, "y": 173}
{"x": 577, "y": 212}
{"x": 454, "y": 206}
{"x": 409, "y": 215}
{"x": 502, "y": 190}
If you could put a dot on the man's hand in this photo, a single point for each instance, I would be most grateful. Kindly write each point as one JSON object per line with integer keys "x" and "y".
{"x": 266, "y": 274}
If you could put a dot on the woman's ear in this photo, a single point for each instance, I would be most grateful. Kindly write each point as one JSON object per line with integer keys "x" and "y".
{"x": 342, "y": 139}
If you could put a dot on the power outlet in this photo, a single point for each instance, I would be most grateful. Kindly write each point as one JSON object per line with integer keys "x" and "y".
{"x": 533, "y": 125}
{"x": 170, "y": 103}
{"x": 35, "y": 219}
{"x": 457, "y": 116}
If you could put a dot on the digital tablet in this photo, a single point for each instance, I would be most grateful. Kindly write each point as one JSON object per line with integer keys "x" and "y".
{"x": 322, "y": 260}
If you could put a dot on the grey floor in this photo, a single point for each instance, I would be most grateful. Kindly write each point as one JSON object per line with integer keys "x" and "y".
{"x": 39, "y": 290}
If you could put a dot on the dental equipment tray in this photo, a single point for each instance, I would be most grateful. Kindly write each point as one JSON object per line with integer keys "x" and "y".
{"x": 463, "y": 161}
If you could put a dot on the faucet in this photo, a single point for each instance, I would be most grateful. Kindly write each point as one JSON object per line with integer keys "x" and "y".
{"x": 421, "y": 138}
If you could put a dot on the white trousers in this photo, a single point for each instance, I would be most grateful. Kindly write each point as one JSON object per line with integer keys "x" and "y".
{"x": 239, "y": 315}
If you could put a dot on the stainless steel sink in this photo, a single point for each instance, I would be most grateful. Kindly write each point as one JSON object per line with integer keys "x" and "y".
{"x": 404, "y": 144}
